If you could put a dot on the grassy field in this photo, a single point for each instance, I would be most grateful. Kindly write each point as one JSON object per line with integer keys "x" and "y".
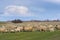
{"x": 31, "y": 36}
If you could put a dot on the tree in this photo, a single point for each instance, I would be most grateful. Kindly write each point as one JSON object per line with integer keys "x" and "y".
{"x": 16, "y": 21}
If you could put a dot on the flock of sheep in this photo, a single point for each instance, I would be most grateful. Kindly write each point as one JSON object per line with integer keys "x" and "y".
{"x": 29, "y": 28}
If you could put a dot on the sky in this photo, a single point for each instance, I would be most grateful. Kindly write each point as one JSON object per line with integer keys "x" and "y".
{"x": 29, "y": 9}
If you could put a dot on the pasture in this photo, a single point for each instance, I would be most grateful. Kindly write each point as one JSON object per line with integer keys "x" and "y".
{"x": 31, "y": 35}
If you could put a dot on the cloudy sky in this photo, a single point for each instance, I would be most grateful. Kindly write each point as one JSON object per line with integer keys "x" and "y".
{"x": 29, "y": 9}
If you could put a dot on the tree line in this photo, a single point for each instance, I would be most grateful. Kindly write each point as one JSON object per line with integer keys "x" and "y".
{"x": 20, "y": 21}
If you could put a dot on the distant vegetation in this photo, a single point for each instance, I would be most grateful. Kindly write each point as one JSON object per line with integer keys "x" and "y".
{"x": 16, "y": 21}
{"x": 45, "y": 20}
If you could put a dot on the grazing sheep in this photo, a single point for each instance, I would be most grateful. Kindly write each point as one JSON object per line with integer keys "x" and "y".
{"x": 42, "y": 28}
{"x": 10, "y": 26}
{"x": 28, "y": 29}
{"x": 3, "y": 29}
{"x": 51, "y": 28}
{"x": 19, "y": 29}
{"x": 34, "y": 28}
{"x": 12, "y": 31}
{"x": 57, "y": 27}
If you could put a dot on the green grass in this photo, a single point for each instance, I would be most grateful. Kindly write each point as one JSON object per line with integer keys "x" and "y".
{"x": 31, "y": 36}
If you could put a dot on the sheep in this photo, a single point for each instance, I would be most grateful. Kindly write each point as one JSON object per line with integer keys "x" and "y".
{"x": 19, "y": 29}
{"x": 28, "y": 29}
{"x": 39, "y": 28}
{"x": 42, "y": 28}
{"x": 12, "y": 31}
{"x": 51, "y": 28}
{"x": 34, "y": 28}
{"x": 10, "y": 26}
{"x": 57, "y": 27}
{"x": 3, "y": 30}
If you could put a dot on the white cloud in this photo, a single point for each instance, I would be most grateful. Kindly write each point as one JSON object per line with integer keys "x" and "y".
{"x": 17, "y": 10}
{"x": 22, "y": 9}
{"x": 53, "y": 1}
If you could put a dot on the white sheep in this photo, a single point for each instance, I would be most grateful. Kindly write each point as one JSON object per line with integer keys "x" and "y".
{"x": 12, "y": 31}
{"x": 28, "y": 28}
{"x": 51, "y": 28}
{"x": 18, "y": 29}
{"x": 3, "y": 29}
{"x": 57, "y": 27}
{"x": 42, "y": 28}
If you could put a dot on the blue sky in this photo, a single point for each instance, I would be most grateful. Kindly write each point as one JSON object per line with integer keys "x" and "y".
{"x": 29, "y": 9}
